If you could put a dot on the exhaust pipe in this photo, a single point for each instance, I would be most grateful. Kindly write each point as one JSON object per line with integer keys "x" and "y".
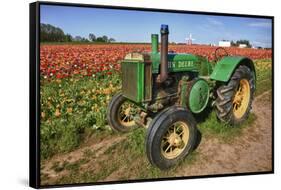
{"x": 164, "y": 53}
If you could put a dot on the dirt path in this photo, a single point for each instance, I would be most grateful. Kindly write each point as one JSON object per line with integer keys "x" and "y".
{"x": 249, "y": 152}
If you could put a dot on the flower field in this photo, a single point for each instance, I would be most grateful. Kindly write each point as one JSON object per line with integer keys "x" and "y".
{"x": 77, "y": 82}
{"x": 62, "y": 61}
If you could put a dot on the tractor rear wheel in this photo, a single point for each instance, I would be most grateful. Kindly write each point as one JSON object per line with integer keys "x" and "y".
{"x": 171, "y": 136}
{"x": 234, "y": 99}
{"x": 120, "y": 113}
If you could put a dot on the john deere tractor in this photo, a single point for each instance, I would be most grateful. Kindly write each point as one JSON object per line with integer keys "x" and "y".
{"x": 162, "y": 91}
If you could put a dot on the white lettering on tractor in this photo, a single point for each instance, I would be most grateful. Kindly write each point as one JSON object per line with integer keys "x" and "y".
{"x": 180, "y": 64}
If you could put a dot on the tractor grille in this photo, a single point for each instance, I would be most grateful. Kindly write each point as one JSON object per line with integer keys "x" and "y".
{"x": 132, "y": 80}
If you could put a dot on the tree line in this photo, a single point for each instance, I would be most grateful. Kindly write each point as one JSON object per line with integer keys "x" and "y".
{"x": 50, "y": 33}
{"x": 238, "y": 42}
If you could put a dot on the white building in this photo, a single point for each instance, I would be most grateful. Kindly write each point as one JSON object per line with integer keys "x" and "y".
{"x": 242, "y": 45}
{"x": 224, "y": 43}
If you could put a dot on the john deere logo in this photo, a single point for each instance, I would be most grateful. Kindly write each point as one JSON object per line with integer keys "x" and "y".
{"x": 180, "y": 64}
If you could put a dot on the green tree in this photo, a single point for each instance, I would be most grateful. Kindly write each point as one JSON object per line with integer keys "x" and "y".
{"x": 246, "y": 42}
{"x": 105, "y": 38}
{"x": 111, "y": 40}
{"x": 100, "y": 39}
{"x": 49, "y": 33}
{"x": 233, "y": 43}
{"x": 92, "y": 37}
{"x": 68, "y": 38}
{"x": 84, "y": 40}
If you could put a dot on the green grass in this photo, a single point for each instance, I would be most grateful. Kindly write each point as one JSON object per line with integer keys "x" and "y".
{"x": 86, "y": 176}
{"x": 264, "y": 76}
{"x": 214, "y": 128}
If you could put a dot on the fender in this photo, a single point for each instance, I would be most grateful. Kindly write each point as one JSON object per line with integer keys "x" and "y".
{"x": 226, "y": 66}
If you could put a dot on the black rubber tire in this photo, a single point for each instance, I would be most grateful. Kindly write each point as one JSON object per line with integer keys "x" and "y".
{"x": 158, "y": 127}
{"x": 226, "y": 93}
{"x": 112, "y": 114}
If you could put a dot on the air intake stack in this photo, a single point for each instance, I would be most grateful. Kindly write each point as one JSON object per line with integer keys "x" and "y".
{"x": 164, "y": 53}
{"x": 154, "y": 43}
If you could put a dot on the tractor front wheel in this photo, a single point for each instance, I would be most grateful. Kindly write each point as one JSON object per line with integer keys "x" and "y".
{"x": 171, "y": 136}
{"x": 234, "y": 99}
{"x": 120, "y": 113}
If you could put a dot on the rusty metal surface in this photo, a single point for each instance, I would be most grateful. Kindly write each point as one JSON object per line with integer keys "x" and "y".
{"x": 164, "y": 56}
{"x": 147, "y": 81}
{"x": 129, "y": 80}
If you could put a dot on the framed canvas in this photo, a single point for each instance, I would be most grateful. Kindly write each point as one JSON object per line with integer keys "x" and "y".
{"x": 121, "y": 94}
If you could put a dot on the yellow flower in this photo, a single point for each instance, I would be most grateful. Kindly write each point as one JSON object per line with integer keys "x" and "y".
{"x": 106, "y": 91}
{"x": 94, "y": 97}
{"x": 107, "y": 97}
{"x": 57, "y": 113}
{"x": 69, "y": 110}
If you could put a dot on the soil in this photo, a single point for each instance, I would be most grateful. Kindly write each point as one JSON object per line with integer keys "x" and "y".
{"x": 250, "y": 152}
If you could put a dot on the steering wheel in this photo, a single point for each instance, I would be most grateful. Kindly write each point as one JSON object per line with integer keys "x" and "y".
{"x": 218, "y": 56}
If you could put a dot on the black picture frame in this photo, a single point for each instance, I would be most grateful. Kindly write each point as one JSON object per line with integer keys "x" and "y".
{"x": 34, "y": 91}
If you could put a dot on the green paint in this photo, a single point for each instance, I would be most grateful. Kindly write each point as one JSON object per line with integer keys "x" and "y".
{"x": 183, "y": 91}
{"x": 198, "y": 96}
{"x": 140, "y": 83}
{"x": 226, "y": 66}
{"x": 176, "y": 62}
{"x": 154, "y": 43}
{"x": 205, "y": 68}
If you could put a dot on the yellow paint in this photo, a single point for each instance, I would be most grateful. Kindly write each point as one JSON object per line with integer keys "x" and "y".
{"x": 241, "y": 99}
{"x": 175, "y": 140}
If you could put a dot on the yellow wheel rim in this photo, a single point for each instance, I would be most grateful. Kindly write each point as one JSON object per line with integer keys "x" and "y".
{"x": 175, "y": 140}
{"x": 126, "y": 114}
{"x": 241, "y": 99}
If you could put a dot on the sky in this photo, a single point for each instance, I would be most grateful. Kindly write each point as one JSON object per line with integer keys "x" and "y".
{"x": 137, "y": 26}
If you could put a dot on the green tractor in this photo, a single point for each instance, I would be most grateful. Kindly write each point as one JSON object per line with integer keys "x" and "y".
{"x": 162, "y": 92}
